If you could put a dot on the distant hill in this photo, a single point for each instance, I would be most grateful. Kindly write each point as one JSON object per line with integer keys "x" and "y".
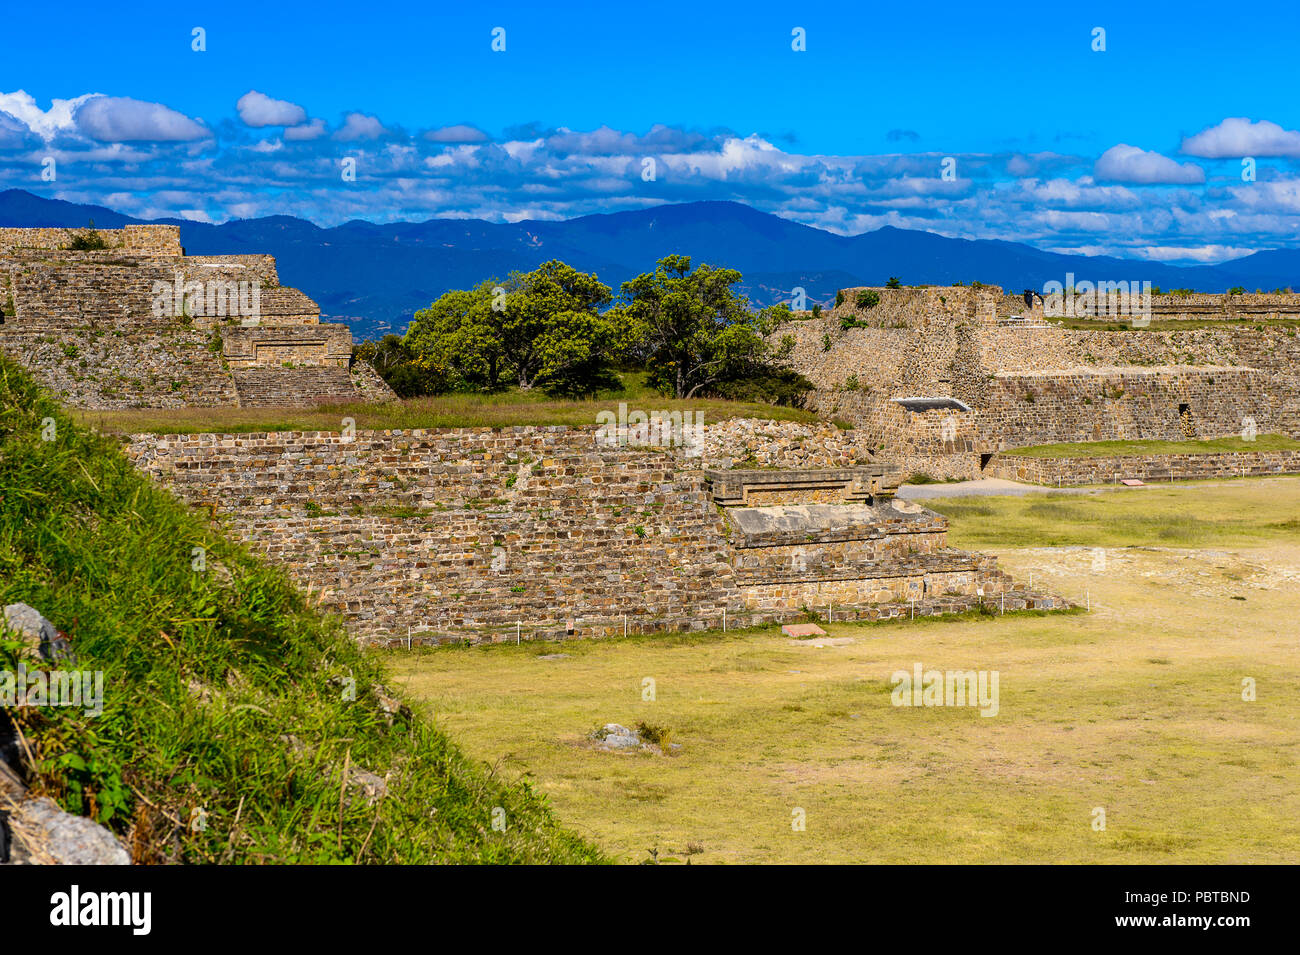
{"x": 370, "y": 274}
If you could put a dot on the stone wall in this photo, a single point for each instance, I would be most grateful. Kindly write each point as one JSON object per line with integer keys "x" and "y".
{"x": 1085, "y": 384}
{"x": 1163, "y": 404}
{"x": 141, "y": 325}
{"x": 1121, "y": 306}
{"x": 468, "y": 530}
{"x": 1147, "y": 467}
{"x": 145, "y": 239}
{"x": 762, "y": 443}
{"x": 485, "y": 534}
{"x": 258, "y": 346}
{"x": 112, "y": 370}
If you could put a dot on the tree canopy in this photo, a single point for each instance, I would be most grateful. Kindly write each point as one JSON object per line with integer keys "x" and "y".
{"x": 539, "y": 328}
{"x": 691, "y": 327}
{"x": 550, "y": 328}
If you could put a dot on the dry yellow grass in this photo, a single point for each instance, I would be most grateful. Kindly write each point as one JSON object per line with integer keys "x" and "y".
{"x": 1135, "y": 708}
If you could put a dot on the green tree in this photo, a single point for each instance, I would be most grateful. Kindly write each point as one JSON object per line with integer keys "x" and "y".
{"x": 551, "y": 331}
{"x": 455, "y": 334}
{"x": 692, "y": 328}
{"x": 539, "y": 328}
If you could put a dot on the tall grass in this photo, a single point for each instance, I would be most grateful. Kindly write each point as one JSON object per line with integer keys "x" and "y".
{"x": 231, "y": 707}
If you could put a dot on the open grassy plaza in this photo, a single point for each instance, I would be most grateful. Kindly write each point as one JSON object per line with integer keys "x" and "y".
{"x": 1133, "y": 709}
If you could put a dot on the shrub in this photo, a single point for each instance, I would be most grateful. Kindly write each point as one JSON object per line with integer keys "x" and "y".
{"x": 839, "y": 298}
{"x": 775, "y": 387}
{"x": 406, "y": 373}
{"x": 87, "y": 241}
{"x": 894, "y": 282}
{"x": 651, "y": 733}
{"x": 869, "y": 297}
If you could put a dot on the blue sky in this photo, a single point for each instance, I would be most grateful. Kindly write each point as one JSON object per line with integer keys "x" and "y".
{"x": 1135, "y": 150}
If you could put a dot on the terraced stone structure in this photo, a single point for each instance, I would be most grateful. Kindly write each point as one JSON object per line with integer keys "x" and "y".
{"x": 542, "y": 532}
{"x": 942, "y": 378}
{"x": 123, "y": 318}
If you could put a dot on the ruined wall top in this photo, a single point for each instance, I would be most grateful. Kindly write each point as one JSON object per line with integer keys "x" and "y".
{"x": 137, "y": 239}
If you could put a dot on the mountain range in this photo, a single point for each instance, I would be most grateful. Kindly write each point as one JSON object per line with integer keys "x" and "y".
{"x": 374, "y": 276}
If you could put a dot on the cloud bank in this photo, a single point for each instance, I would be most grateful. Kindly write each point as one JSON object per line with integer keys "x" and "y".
{"x": 270, "y": 157}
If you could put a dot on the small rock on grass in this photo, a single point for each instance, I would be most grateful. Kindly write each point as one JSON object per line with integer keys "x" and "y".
{"x": 37, "y": 633}
{"x": 51, "y": 835}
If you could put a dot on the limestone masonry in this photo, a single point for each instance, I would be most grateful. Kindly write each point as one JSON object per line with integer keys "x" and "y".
{"x": 541, "y": 532}
{"x": 137, "y": 323}
{"x": 942, "y": 378}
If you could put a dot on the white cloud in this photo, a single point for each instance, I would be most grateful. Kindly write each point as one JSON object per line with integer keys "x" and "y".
{"x": 120, "y": 119}
{"x": 257, "y": 109}
{"x": 1237, "y": 136}
{"x": 1075, "y": 194}
{"x": 460, "y": 133}
{"x": 13, "y": 131}
{"x": 1125, "y": 163}
{"x": 313, "y": 130}
{"x": 44, "y": 123}
{"x": 360, "y": 126}
{"x": 1204, "y": 253}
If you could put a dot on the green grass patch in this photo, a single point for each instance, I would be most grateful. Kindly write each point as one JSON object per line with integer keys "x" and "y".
{"x": 509, "y": 408}
{"x": 1192, "y": 515}
{"x": 228, "y": 699}
{"x": 1106, "y": 449}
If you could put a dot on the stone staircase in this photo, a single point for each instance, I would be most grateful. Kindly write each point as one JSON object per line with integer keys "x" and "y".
{"x": 303, "y": 387}
{"x": 837, "y": 542}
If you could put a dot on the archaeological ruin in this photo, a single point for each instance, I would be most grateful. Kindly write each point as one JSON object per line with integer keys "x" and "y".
{"x": 944, "y": 378}
{"x": 527, "y": 533}
{"x": 125, "y": 319}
